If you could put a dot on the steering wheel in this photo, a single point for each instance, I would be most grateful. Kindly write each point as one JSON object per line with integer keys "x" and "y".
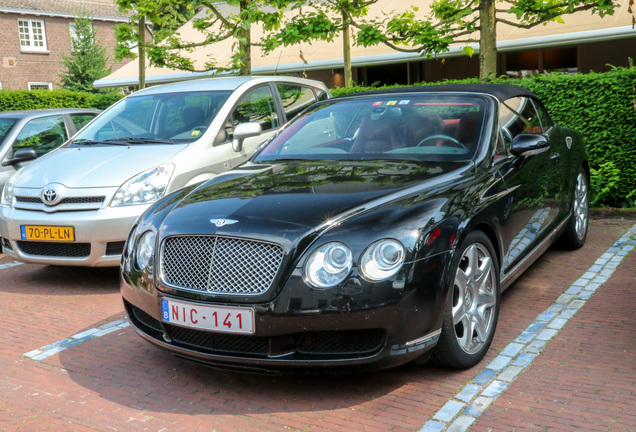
{"x": 447, "y": 138}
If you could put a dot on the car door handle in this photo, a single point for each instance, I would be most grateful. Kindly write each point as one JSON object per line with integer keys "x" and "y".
{"x": 555, "y": 156}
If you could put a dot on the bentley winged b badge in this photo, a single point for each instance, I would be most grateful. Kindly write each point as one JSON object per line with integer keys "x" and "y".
{"x": 222, "y": 222}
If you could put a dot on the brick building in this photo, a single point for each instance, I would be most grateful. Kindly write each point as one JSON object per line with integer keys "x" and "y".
{"x": 34, "y": 34}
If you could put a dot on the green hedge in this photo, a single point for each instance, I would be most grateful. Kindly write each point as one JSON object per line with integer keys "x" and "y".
{"x": 600, "y": 105}
{"x": 11, "y": 100}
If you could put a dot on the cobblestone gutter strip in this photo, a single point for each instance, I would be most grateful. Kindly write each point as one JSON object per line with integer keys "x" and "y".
{"x": 56, "y": 347}
{"x": 459, "y": 413}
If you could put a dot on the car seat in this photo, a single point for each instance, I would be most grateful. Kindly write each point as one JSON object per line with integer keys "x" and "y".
{"x": 420, "y": 127}
{"x": 469, "y": 129}
{"x": 376, "y": 136}
{"x": 193, "y": 117}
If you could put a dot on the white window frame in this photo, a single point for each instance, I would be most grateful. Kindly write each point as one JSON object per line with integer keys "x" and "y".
{"x": 71, "y": 31}
{"x": 32, "y": 35}
{"x": 35, "y": 85}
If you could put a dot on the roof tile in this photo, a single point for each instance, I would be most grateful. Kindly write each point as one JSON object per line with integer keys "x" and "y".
{"x": 95, "y": 8}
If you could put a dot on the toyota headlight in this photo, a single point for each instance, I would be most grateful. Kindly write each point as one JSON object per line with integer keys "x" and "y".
{"x": 328, "y": 265}
{"x": 7, "y": 191}
{"x": 145, "y": 249}
{"x": 382, "y": 260}
{"x": 145, "y": 188}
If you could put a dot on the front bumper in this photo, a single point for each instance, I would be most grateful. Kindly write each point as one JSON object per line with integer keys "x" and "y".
{"x": 99, "y": 235}
{"x": 372, "y": 329}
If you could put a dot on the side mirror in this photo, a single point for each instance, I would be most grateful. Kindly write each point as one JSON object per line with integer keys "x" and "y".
{"x": 22, "y": 155}
{"x": 242, "y": 131}
{"x": 529, "y": 144}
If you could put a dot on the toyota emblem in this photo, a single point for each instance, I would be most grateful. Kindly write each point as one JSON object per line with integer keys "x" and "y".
{"x": 49, "y": 196}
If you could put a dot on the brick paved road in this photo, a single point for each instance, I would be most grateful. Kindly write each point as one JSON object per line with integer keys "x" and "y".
{"x": 584, "y": 379}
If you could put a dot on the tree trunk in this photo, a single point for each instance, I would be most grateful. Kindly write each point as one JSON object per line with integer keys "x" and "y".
{"x": 487, "y": 39}
{"x": 141, "y": 33}
{"x": 346, "y": 50}
{"x": 245, "y": 42}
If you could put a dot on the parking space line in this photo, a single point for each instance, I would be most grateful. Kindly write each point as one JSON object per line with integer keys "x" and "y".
{"x": 10, "y": 264}
{"x": 459, "y": 413}
{"x": 56, "y": 347}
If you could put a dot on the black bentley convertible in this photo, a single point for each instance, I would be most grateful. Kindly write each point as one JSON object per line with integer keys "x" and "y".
{"x": 373, "y": 230}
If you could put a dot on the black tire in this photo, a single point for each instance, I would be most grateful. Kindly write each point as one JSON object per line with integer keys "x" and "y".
{"x": 472, "y": 305}
{"x": 575, "y": 233}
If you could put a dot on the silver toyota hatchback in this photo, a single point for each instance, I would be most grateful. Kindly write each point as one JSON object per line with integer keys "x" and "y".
{"x": 75, "y": 205}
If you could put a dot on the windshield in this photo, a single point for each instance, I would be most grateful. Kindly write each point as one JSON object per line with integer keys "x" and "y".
{"x": 401, "y": 126}
{"x": 158, "y": 118}
{"x": 5, "y": 127}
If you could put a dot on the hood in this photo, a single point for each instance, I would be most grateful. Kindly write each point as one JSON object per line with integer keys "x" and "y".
{"x": 101, "y": 166}
{"x": 296, "y": 196}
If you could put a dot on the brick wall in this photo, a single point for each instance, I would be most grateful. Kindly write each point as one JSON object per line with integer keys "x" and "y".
{"x": 18, "y": 68}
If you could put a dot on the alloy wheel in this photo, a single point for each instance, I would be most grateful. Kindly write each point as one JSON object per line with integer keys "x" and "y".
{"x": 474, "y": 299}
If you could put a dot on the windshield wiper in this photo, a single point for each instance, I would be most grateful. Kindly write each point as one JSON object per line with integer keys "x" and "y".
{"x": 140, "y": 140}
{"x": 87, "y": 142}
{"x": 121, "y": 141}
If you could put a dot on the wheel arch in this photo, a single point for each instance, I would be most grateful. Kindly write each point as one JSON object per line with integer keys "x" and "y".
{"x": 489, "y": 231}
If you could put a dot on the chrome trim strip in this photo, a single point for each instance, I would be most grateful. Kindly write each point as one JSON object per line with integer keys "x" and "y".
{"x": 426, "y": 338}
{"x": 534, "y": 152}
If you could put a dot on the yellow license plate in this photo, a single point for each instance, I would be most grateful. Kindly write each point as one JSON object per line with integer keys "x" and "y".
{"x": 54, "y": 233}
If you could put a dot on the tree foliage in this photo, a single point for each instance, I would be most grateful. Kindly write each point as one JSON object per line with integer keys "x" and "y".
{"x": 88, "y": 60}
{"x": 230, "y": 20}
{"x": 320, "y": 20}
{"x": 427, "y": 32}
{"x": 164, "y": 15}
{"x": 467, "y": 22}
{"x": 132, "y": 42}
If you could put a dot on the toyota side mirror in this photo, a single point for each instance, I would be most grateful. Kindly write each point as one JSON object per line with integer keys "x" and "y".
{"x": 242, "y": 131}
{"x": 21, "y": 155}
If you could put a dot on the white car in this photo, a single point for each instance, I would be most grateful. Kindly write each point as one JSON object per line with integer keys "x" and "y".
{"x": 75, "y": 206}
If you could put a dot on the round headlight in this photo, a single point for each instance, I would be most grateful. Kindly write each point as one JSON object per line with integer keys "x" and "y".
{"x": 145, "y": 249}
{"x": 328, "y": 265}
{"x": 382, "y": 260}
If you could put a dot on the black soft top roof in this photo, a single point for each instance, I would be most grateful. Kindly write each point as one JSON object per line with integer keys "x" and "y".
{"x": 500, "y": 91}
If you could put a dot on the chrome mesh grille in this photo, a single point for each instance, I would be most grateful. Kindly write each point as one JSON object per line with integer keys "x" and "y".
{"x": 219, "y": 264}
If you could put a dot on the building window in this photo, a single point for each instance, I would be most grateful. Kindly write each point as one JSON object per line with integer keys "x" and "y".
{"x": 40, "y": 86}
{"x": 32, "y": 35}
{"x": 549, "y": 60}
{"x": 73, "y": 33}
